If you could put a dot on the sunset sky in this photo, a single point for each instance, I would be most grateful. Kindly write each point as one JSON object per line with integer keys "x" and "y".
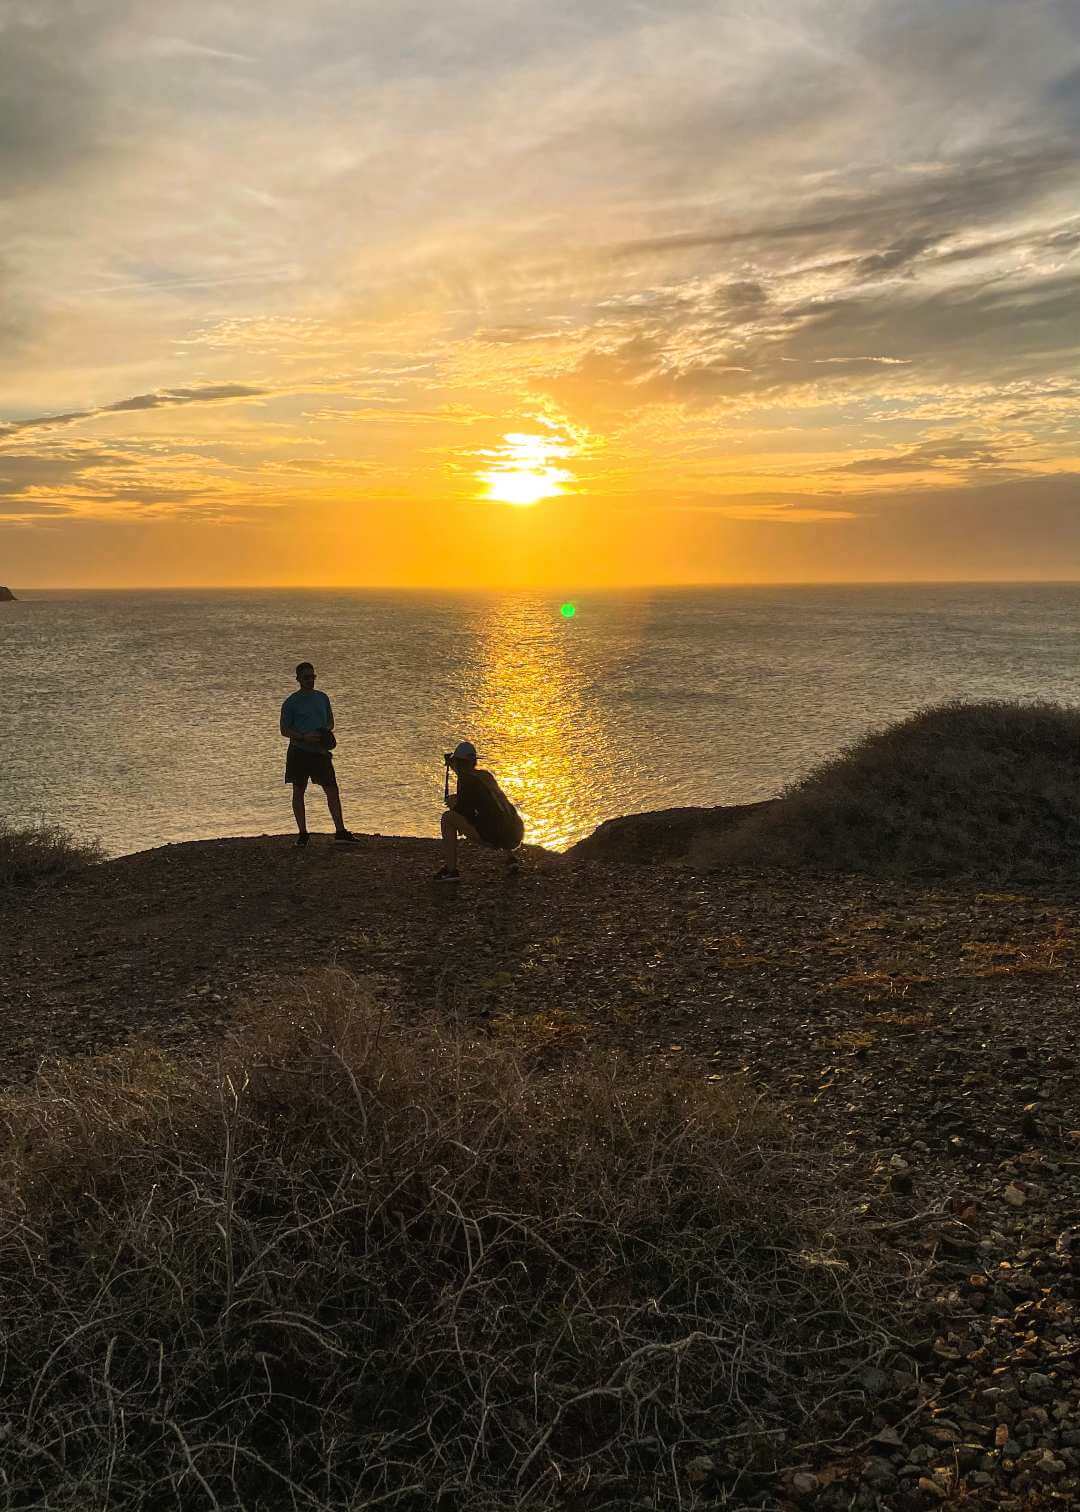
{"x": 498, "y": 292}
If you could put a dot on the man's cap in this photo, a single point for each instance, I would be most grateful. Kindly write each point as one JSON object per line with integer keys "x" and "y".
{"x": 464, "y": 751}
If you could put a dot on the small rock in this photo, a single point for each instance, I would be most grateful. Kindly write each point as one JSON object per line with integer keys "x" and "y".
{"x": 878, "y": 1472}
{"x": 1014, "y": 1195}
{"x": 1038, "y": 1387}
{"x": 932, "y": 1487}
{"x": 1049, "y": 1467}
{"x": 873, "y": 1381}
{"x": 804, "y": 1483}
{"x": 699, "y": 1469}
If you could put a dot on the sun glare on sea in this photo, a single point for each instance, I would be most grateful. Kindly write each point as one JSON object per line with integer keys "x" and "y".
{"x": 522, "y": 471}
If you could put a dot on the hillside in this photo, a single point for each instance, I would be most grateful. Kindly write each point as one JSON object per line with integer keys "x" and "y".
{"x": 986, "y": 790}
{"x": 679, "y": 836}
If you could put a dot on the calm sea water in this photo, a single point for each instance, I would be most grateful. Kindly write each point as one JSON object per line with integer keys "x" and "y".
{"x": 147, "y": 717}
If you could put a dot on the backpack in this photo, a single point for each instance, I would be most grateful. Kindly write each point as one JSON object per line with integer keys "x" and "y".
{"x": 511, "y": 824}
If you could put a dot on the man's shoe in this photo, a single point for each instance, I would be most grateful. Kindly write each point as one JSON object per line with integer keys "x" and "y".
{"x": 302, "y": 840}
{"x": 346, "y": 837}
{"x": 447, "y": 874}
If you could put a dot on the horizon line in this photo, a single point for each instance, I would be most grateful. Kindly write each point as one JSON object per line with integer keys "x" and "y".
{"x": 1016, "y": 582}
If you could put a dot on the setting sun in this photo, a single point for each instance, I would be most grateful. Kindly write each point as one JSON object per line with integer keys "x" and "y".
{"x": 523, "y": 487}
{"x": 522, "y": 471}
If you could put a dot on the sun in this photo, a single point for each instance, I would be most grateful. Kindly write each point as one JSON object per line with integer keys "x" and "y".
{"x": 524, "y": 487}
{"x": 522, "y": 470}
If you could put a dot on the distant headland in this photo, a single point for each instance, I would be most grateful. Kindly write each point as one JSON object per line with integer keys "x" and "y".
{"x": 6, "y": 595}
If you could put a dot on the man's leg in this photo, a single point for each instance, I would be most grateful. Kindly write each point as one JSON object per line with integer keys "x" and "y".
{"x": 452, "y": 826}
{"x": 299, "y": 811}
{"x": 333, "y": 803}
{"x": 342, "y": 836}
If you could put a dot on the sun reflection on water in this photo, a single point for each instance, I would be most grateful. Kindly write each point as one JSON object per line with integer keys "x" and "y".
{"x": 542, "y": 737}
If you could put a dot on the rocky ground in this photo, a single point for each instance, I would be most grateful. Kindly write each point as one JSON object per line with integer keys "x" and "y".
{"x": 928, "y": 1034}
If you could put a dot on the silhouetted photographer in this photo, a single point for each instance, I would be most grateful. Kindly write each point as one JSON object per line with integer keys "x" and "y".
{"x": 479, "y": 811}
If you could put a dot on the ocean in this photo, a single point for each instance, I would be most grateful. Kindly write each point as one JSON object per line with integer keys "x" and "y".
{"x": 143, "y": 718}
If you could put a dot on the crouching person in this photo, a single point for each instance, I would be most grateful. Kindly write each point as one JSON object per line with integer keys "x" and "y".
{"x": 479, "y": 811}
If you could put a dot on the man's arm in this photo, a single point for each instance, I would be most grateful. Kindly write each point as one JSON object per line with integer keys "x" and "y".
{"x": 329, "y": 716}
{"x": 464, "y": 801}
{"x": 289, "y": 732}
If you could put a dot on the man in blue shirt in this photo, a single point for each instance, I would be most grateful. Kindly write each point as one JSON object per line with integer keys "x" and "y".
{"x": 307, "y": 722}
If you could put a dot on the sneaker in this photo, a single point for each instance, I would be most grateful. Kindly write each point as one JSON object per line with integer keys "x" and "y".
{"x": 302, "y": 840}
{"x": 346, "y": 837}
{"x": 447, "y": 874}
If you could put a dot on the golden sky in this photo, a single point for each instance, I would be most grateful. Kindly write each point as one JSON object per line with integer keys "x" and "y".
{"x": 498, "y": 293}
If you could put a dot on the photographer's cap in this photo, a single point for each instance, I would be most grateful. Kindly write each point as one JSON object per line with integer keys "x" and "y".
{"x": 464, "y": 751}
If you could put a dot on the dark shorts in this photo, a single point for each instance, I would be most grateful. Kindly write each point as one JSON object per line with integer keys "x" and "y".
{"x": 490, "y": 834}
{"x": 310, "y": 766}
{"x": 500, "y": 839}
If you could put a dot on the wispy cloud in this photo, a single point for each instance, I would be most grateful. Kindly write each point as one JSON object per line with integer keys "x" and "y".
{"x": 163, "y": 399}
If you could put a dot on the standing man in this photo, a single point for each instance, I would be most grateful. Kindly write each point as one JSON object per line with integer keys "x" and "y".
{"x": 307, "y": 722}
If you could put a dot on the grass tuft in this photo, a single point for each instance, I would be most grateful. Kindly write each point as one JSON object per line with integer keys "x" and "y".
{"x": 349, "y": 1266}
{"x": 38, "y": 852}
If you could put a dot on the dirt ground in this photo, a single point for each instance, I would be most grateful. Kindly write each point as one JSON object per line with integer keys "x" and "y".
{"x": 930, "y": 1034}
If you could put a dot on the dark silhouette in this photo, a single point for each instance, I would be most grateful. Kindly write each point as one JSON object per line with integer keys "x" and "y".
{"x": 479, "y": 811}
{"x": 6, "y": 596}
{"x": 307, "y": 722}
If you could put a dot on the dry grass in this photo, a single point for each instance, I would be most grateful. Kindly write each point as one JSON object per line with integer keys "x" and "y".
{"x": 41, "y": 851}
{"x": 349, "y": 1267}
{"x": 989, "y": 789}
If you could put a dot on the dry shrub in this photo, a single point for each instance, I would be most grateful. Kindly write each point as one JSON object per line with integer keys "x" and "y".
{"x": 991, "y": 789}
{"x": 41, "y": 851}
{"x": 349, "y": 1266}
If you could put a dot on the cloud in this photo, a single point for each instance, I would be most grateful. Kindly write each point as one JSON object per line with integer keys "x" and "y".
{"x": 169, "y": 397}
{"x": 23, "y": 472}
{"x": 53, "y": 112}
{"x": 689, "y": 352}
{"x": 88, "y": 479}
{"x": 163, "y": 399}
{"x": 900, "y": 256}
{"x": 767, "y": 509}
{"x": 937, "y": 201}
{"x": 926, "y": 457}
{"x": 391, "y": 414}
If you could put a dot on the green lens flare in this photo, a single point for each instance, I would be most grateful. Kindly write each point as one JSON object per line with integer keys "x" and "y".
{"x": 568, "y": 611}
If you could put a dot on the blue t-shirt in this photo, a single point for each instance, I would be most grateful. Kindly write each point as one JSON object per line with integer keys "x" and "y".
{"x": 306, "y": 711}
